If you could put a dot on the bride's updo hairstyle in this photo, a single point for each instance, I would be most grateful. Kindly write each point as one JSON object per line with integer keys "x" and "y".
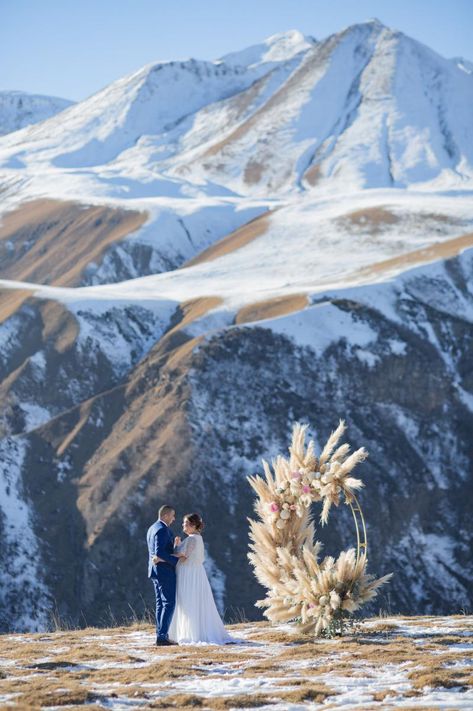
{"x": 195, "y": 520}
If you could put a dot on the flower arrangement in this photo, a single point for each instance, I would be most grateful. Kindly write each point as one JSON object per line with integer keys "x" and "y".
{"x": 319, "y": 596}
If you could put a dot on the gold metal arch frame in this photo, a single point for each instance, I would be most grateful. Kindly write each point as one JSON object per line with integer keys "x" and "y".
{"x": 360, "y": 527}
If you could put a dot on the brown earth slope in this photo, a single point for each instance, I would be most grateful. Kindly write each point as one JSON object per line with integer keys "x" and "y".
{"x": 51, "y": 241}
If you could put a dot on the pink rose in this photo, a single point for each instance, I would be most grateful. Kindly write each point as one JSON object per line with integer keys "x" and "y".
{"x": 306, "y": 489}
{"x": 293, "y": 507}
{"x": 273, "y": 506}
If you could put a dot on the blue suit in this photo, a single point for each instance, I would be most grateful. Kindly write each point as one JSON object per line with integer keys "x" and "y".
{"x": 160, "y": 541}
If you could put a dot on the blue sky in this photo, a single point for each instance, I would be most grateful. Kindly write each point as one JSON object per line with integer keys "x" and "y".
{"x": 72, "y": 48}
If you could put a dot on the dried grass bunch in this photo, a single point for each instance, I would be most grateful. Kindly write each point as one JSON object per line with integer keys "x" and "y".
{"x": 318, "y": 596}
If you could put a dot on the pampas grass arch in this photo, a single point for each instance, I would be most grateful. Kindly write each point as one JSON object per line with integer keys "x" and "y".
{"x": 317, "y": 596}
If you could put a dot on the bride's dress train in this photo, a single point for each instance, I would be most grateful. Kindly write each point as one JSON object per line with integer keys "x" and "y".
{"x": 196, "y": 618}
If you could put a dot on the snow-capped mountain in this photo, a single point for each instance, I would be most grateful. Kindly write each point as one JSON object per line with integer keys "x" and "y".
{"x": 366, "y": 107}
{"x": 202, "y": 253}
{"x": 152, "y": 107}
{"x": 274, "y": 50}
{"x": 19, "y": 109}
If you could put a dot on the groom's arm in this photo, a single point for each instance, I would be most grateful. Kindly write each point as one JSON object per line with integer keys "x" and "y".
{"x": 161, "y": 540}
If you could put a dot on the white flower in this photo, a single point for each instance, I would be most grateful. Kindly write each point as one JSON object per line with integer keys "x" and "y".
{"x": 334, "y": 600}
{"x": 280, "y": 523}
{"x": 323, "y": 600}
{"x": 285, "y": 514}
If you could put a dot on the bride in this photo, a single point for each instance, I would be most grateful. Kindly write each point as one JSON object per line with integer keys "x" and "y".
{"x": 196, "y": 617}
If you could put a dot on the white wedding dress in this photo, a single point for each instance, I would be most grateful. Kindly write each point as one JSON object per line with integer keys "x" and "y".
{"x": 196, "y": 619}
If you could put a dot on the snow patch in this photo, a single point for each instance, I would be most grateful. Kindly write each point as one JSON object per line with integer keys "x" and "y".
{"x": 321, "y": 325}
{"x": 24, "y": 597}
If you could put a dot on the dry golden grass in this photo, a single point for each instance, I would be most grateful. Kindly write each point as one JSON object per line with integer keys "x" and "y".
{"x": 72, "y": 668}
{"x": 304, "y": 651}
{"x": 278, "y": 638}
{"x": 370, "y": 218}
{"x": 271, "y": 308}
{"x": 381, "y": 695}
{"x": 11, "y": 300}
{"x": 384, "y": 627}
{"x": 440, "y": 250}
{"x": 267, "y": 668}
{"x": 444, "y": 670}
{"x": 316, "y": 693}
{"x": 152, "y": 673}
{"x": 445, "y": 678}
{"x": 344, "y": 668}
{"x": 235, "y": 240}
{"x": 313, "y": 174}
{"x": 40, "y": 691}
{"x": 77, "y": 654}
{"x": 245, "y": 701}
{"x": 448, "y": 639}
{"x": 178, "y": 701}
{"x": 54, "y": 240}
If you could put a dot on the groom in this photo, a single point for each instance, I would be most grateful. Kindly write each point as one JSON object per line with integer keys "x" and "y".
{"x": 161, "y": 543}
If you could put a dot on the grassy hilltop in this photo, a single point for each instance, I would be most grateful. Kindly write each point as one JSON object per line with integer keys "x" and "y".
{"x": 410, "y": 662}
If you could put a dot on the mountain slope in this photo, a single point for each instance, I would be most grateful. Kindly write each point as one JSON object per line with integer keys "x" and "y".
{"x": 19, "y": 109}
{"x": 153, "y": 101}
{"x": 188, "y": 419}
{"x": 367, "y": 107}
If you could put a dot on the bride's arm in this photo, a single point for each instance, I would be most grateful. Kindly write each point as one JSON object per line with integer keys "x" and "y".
{"x": 178, "y": 552}
{"x": 189, "y": 545}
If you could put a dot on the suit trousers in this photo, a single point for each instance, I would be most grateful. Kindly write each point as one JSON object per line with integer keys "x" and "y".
{"x": 165, "y": 590}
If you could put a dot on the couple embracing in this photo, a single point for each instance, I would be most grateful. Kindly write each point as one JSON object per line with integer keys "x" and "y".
{"x": 185, "y": 607}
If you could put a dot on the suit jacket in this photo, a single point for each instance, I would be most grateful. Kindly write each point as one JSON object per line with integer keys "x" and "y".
{"x": 160, "y": 541}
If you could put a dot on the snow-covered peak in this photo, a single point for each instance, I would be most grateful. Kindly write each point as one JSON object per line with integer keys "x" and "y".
{"x": 375, "y": 22}
{"x": 367, "y": 107}
{"x": 19, "y": 109}
{"x": 280, "y": 47}
{"x": 148, "y": 102}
